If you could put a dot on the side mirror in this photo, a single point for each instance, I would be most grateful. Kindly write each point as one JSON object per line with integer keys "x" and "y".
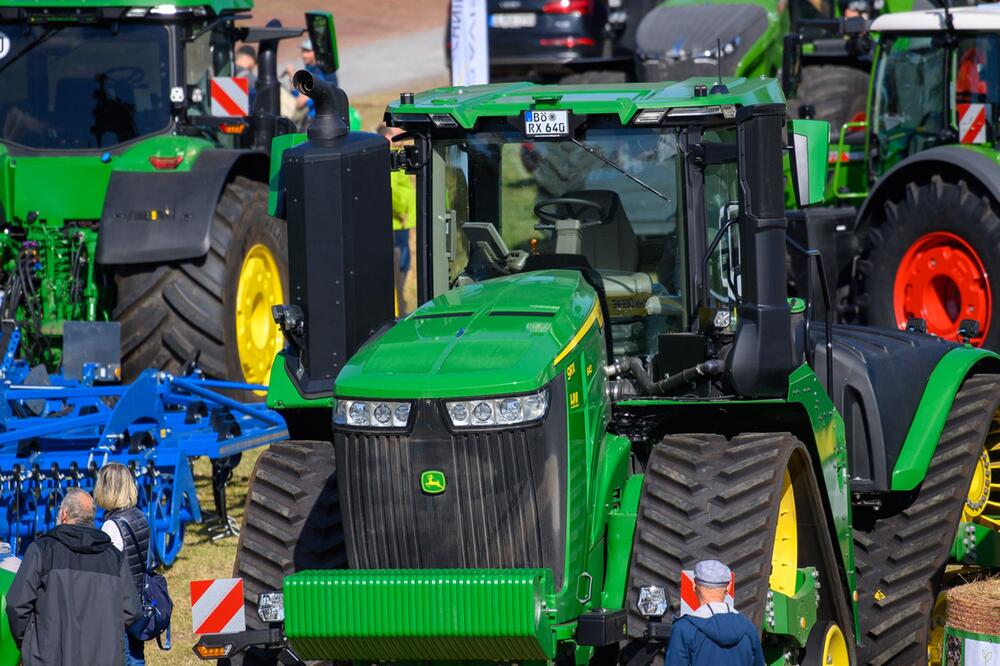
{"x": 791, "y": 64}
{"x": 323, "y": 36}
{"x": 810, "y": 142}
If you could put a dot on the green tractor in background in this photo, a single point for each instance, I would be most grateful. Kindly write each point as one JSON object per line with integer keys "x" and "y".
{"x": 912, "y": 227}
{"x": 133, "y": 180}
{"x": 604, "y": 385}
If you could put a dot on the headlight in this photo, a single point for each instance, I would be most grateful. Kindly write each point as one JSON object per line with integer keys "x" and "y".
{"x": 508, "y": 410}
{"x": 652, "y": 601}
{"x": 271, "y": 607}
{"x": 372, "y": 413}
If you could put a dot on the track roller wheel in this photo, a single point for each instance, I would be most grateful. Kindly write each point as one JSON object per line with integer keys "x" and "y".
{"x": 902, "y": 549}
{"x": 752, "y": 502}
{"x": 292, "y": 522}
{"x": 827, "y": 646}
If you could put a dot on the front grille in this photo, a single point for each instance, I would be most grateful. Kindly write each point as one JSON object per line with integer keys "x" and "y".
{"x": 503, "y": 507}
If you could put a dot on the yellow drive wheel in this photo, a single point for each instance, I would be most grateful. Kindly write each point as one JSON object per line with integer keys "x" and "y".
{"x": 826, "y": 646}
{"x": 785, "y": 554}
{"x": 982, "y": 504}
{"x": 258, "y": 338}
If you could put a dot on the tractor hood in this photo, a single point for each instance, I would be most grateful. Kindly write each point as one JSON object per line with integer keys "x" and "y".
{"x": 500, "y": 336}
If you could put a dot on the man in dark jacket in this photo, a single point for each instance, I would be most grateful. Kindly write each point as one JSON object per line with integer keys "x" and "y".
{"x": 715, "y": 633}
{"x": 73, "y": 596}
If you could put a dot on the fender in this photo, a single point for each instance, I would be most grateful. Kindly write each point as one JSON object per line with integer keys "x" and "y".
{"x": 957, "y": 161}
{"x": 152, "y": 217}
{"x": 932, "y": 412}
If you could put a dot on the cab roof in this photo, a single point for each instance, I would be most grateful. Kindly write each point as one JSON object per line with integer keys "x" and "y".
{"x": 469, "y": 103}
{"x": 982, "y": 18}
{"x": 215, "y": 6}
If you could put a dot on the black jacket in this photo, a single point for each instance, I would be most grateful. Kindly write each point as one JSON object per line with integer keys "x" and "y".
{"x": 72, "y": 599}
{"x": 134, "y": 529}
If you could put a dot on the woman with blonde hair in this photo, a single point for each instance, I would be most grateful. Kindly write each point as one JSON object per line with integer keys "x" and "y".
{"x": 115, "y": 492}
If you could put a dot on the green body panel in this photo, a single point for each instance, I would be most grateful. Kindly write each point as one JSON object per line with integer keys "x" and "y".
{"x": 9, "y": 654}
{"x": 283, "y": 394}
{"x": 977, "y": 545}
{"x": 421, "y": 614}
{"x": 490, "y": 338}
{"x": 790, "y": 611}
{"x": 621, "y": 530}
{"x": 279, "y": 145}
{"x": 468, "y": 104}
{"x": 217, "y": 6}
{"x": 932, "y": 412}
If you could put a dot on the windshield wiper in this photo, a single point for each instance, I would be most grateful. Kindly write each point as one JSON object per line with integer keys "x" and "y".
{"x": 30, "y": 47}
{"x": 621, "y": 170}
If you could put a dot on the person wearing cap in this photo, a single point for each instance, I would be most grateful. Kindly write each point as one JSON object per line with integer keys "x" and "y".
{"x": 715, "y": 633}
{"x": 246, "y": 64}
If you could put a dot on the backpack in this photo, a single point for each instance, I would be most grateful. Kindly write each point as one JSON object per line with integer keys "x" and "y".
{"x": 157, "y": 606}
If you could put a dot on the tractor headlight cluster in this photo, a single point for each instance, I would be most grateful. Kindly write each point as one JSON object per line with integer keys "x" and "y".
{"x": 372, "y": 414}
{"x": 492, "y": 412}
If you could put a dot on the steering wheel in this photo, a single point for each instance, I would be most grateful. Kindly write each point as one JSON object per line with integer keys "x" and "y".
{"x": 577, "y": 209}
{"x": 124, "y": 74}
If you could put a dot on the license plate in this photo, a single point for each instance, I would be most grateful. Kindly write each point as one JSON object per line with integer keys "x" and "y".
{"x": 546, "y": 123}
{"x": 513, "y": 20}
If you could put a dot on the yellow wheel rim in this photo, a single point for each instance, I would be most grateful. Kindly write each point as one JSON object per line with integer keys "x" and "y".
{"x": 258, "y": 338}
{"x": 835, "y": 647}
{"x": 982, "y": 505}
{"x": 785, "y": 555}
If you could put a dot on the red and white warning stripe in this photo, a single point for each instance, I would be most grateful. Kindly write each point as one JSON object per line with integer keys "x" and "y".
{"x": 217, "y": 606}
{"x": 689, "y": 599}
{"x": 972, "y": 123}
{"x": 230, "y": 96}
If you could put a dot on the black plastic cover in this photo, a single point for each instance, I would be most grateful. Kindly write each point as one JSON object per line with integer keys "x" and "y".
{"x": 182, "y": 203}
{"x": 879, "y": 376}
{"x": 602, "y": 627}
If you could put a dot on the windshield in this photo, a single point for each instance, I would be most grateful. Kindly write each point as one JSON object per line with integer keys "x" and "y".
{"x": 571, "y": 198}
{"x": 83, "y": 87}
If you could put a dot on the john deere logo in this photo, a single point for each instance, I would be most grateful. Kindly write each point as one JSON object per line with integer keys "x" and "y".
{"x": 433, "y": 482}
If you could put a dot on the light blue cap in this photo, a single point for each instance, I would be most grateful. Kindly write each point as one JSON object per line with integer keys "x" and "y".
{"x": 712, "y": 573}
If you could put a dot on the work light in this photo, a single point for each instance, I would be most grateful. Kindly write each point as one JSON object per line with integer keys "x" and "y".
{"x": 493, "y": 412}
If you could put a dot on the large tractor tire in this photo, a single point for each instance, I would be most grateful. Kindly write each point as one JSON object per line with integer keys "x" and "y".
{"x": 219, "y": 304}
{"x": 292, "y": 522}
{"x": 935, "y": 256}
{"x": 836, "y": 93}
{"x": 751, "y": 502}
{"x": 902, "y": 547}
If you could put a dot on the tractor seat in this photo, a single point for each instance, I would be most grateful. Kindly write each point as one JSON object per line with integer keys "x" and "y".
{"x": 612, "y": 246}
{"x": 878, "y": 380}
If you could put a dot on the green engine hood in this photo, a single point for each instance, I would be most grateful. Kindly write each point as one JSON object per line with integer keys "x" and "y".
{"x": 501, "y": 336}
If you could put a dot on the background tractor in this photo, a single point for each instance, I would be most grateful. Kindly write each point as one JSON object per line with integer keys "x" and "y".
{"x": 133, "y": 180}
{"x": 604, "y": 385}
{"x": 912, "y": 229}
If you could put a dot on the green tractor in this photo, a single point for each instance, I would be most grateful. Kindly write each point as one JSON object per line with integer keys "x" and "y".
{"x": 912, "y": 226}
{"x": 134, "y": 179}
{"x": 603, "y": 386}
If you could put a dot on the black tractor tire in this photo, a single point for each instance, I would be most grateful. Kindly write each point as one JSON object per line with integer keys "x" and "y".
{"x": 170, "y": 312}
{"x": 594, "y": 76}
{"x": 292, "y": 522}
{"x": 902, "y": 548}
{"x": 709, "y": 497}
{"x": 835, "y": 92}
{"x": 934, "y": 206}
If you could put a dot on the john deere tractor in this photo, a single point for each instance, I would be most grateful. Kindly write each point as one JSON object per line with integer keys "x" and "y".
{"x": 603, "y": 386}
{"x": 133, "y": 179}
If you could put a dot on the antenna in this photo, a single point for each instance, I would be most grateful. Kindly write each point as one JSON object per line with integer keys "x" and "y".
{"x": 949, "y": 21}
{"x": 719, "y": 88}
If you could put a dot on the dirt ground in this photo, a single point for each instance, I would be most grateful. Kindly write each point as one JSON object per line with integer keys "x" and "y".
{"x": 357, "y": 22}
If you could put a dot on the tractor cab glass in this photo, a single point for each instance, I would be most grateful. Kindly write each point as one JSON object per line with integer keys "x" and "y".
{"x": 976, "y": 63}
{"x": 611, "y": 197}
{"x": 83, "y": 87}
{"x": 911, "y": 97}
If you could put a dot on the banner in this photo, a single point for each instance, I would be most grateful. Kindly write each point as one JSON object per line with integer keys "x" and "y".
{"x": 470, "y": 62}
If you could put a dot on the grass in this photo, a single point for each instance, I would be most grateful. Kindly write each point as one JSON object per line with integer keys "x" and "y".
{"x": 201, "y": 558}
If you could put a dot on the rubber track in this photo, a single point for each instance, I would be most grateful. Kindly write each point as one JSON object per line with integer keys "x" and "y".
{"x": 903, "y": 554}
{"x": 292, "y": 520}
{"x": 706, "y": 497}
{"x": 168, "y": 311}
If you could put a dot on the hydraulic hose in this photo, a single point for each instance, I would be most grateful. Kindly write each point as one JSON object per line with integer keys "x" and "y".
{"x": 696, "y": 374}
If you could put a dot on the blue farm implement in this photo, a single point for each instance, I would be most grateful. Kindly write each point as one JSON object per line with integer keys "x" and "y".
{"x": 56, "y": 436}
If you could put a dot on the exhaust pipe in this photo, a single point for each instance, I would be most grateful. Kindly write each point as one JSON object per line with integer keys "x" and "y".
{"x": 332, "y": 106}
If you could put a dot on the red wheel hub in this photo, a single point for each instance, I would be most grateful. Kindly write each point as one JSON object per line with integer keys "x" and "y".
{"x": 942, "y": 280}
